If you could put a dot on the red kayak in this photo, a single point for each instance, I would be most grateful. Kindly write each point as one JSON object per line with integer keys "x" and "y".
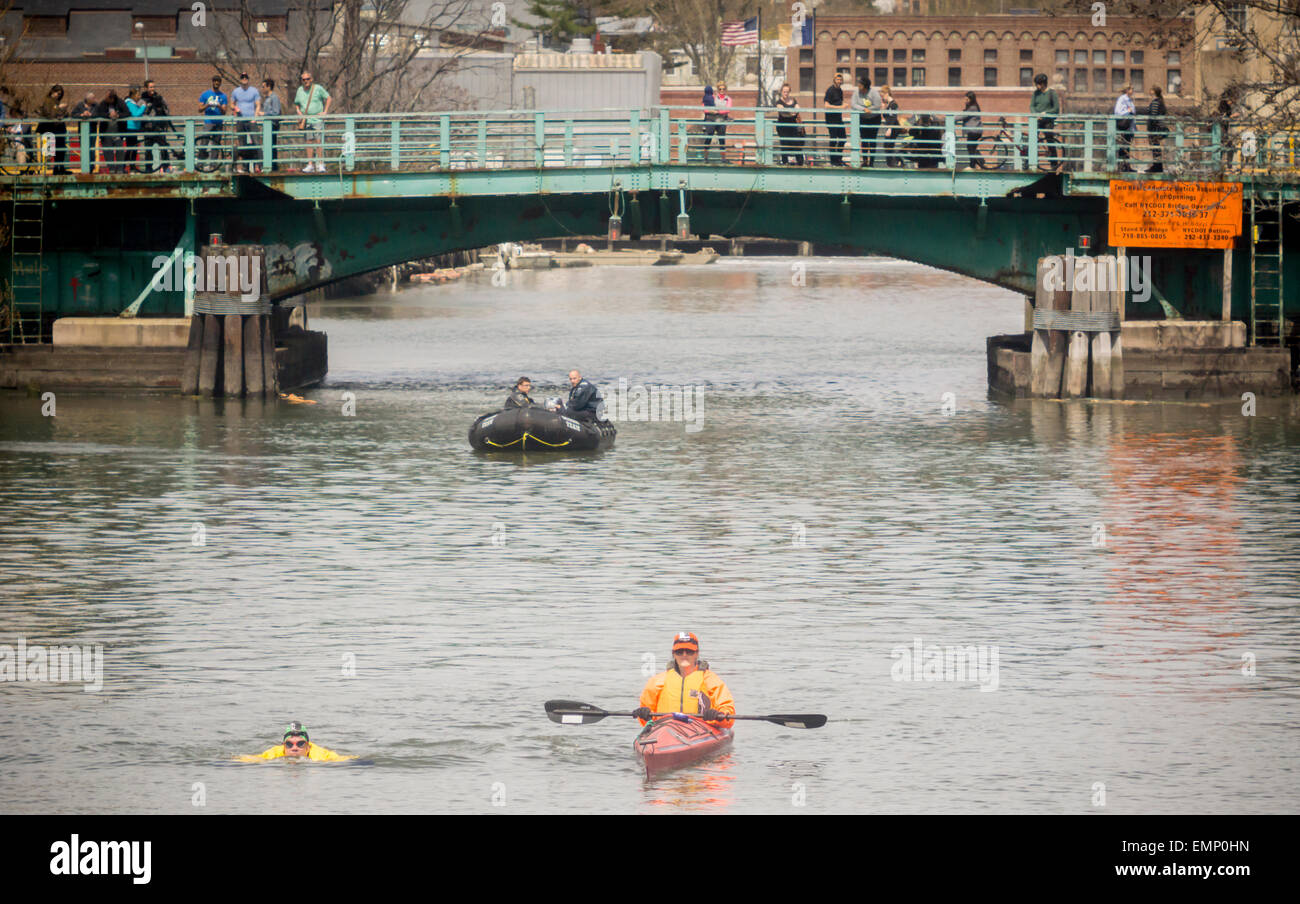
{"x": 678, "y": 740}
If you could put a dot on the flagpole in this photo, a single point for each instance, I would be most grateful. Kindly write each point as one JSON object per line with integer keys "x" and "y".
{"x": 761, "y": 84}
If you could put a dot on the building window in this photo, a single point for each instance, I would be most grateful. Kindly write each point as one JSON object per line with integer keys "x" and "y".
{"x": 1136, "y": 57}
{"x": 1175, "y": 58}
{"x": 1174, "y": 78}
{"x": 990, "y": 77}
{"x": 261, "y": 26}
{"x": 1026, "y": 56}
{"x": 918, "y": 55}
{"x": 1026, "y": 77}
{"x": 862, "y": 72}
{"x": 45, "y": 26}
{"x": 990, "y": 55}
{"x": 900, "y": 76}
{"x": 1117, "y": 57}
{"x": 880, "y": 76}
{"x": 1136, "y": 80}
{"x": 807, "y": 79}
{"x": 863, "y": 55}
{"x": 1099, "y": 58}
{"x": 1081, "y": 58}
{"x": 844, "y": 71}
{"x": 881, "y": 55}
{"x": 1062, "y": 56}
{"x": 1117, "y": 82}
{"x": 900, "y": 55}
{"x": 1099, "y": 80}
{"x": 954, "y": 56}
{"x": 1081, "y": 81}
{"x": 751, "y": 65}
{"x": 806, "y": 55}
{"x": 1236, "y": 16}
{"x": 1063, "y": 76}
{"x": 954, "y": 76}
{"x": 778, "y": 64}
{"x": 918, "y": 77}
{"x": 842, "y": 55}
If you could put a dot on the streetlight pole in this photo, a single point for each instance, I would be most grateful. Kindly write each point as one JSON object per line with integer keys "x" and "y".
{"x": 139, "y": 28}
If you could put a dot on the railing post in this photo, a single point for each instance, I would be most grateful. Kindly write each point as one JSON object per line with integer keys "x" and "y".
{"x": 1087, "y": 145}
{"x": 663, "y": 142}
{"x": 395, "y": 144}
{"x": 1179, "y": 139}
{"x": 682, "y": 143}
{"x": 568, "y": 142}
{"x": 855, "y": 140}
{"x": 539, "y": 139}
{"x": 87, "y": 146}
{"x": 1217, "y": 159}
{"x": 268, "y": 149}
{"x": 950, "y": 141}
{"x": 1033, "y": 142}
{"x": 1111, "y": 151}
{"x": 634, "y": 153}
{"x": 349, "y": 143}
{"x": 189, "y": 145}
{"x": 444, "y": 141}
{"x": 482, "y": 143}
{"x": 762, "y": 147}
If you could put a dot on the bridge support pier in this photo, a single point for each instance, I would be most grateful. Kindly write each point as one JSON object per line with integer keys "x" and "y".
{"x": 231, "y": 355}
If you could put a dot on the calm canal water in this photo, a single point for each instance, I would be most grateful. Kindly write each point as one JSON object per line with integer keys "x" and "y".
{"x": 1127, "y": 575}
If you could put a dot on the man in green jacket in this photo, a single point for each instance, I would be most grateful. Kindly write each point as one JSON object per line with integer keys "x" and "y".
{"x": 1047, "y": 103}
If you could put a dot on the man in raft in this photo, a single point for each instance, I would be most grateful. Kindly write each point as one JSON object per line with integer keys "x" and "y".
{"x": 686, "y": 687}
{"x": 296, "y": 744}
{"x": 519, "y": 397}
{"x": 584, "y": 399}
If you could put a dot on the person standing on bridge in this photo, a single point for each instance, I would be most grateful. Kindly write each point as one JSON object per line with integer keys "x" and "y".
{"x": 271, "y": 107}
{"x": 835, "y": 105}
{"x": 311, "y": 103}
{"x": 212, "y": 102}
{"x": 1156, "y": 112}
{"x": 787, "y": 127}
{"x": 867, "y": 103}
{"x": 891, "y": 134}
{"x": 973, "y": 126}
{"x": 155, "y": 132}
{"x": 1125, "y": 112}
{"x": 247, "y": 102}
{"x": 1046, "y": 102}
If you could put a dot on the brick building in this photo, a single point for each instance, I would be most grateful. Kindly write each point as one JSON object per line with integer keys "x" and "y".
{"x": 931, "y": 61}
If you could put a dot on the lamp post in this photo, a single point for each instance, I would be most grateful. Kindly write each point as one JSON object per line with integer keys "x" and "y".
{"x": 139, "y": 29}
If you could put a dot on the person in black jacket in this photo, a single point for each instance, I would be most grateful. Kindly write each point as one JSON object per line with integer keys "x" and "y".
{"x": 155, "y": 129}
{"x": 53, "y": 112}
{"x": 519, "y": 397}
{"x": 584, "y": 399}
{"x": 111, "y": 114}
{"x": 1156, "y": 132}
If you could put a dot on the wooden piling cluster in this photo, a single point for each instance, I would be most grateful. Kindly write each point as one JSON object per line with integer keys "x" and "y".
{"x": 231, "y": 348}
{"x": 1077, "y": 349}
{"x": 230, "y": 355}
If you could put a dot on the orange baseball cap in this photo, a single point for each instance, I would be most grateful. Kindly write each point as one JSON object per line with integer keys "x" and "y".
{"x": 686, "y": 641}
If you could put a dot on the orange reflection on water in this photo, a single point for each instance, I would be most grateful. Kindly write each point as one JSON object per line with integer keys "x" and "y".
{"x": 704, "y": 786}
{"x": 1173, "y": 528}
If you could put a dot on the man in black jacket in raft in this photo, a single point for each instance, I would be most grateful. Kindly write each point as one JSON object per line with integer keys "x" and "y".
{"x": 584, "y": 399}
{"x": 519, "y": 397}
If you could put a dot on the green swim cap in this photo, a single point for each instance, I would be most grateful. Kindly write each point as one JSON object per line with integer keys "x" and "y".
{"x": 295, "y": 729}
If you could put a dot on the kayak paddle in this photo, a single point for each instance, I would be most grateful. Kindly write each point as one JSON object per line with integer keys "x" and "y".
{"x": 571, "y": 712}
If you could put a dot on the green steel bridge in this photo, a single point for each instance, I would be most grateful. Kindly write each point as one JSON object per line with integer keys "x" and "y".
{"x": 354, "y": 193}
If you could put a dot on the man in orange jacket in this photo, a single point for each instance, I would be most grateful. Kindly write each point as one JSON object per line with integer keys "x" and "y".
{"x": 687, "y": 687}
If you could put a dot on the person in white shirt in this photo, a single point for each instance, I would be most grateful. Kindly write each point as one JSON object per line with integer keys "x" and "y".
{"x": 1124, "y": 113}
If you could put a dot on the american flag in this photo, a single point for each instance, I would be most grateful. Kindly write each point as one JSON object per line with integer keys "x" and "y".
{"x": 737, "y": 34}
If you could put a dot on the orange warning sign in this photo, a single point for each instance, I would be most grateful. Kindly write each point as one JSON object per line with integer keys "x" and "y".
{"x": 1174, "y": 214}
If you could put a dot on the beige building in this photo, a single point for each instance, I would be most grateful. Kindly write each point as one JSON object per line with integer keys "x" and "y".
{"x": 948, "y": 55}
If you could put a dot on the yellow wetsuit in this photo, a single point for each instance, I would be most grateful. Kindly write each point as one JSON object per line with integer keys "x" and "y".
{"x": 314, "y": 752}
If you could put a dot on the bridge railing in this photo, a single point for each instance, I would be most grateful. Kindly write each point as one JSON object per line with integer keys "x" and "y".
{"x": 923, "y": 139}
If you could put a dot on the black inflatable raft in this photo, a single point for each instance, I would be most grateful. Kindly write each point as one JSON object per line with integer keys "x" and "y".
{"x": 538, "y": 430}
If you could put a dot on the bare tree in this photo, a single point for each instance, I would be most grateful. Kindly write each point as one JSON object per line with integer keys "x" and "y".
{"x": 374, "y": 55}
{"x": 692, "y": 26}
